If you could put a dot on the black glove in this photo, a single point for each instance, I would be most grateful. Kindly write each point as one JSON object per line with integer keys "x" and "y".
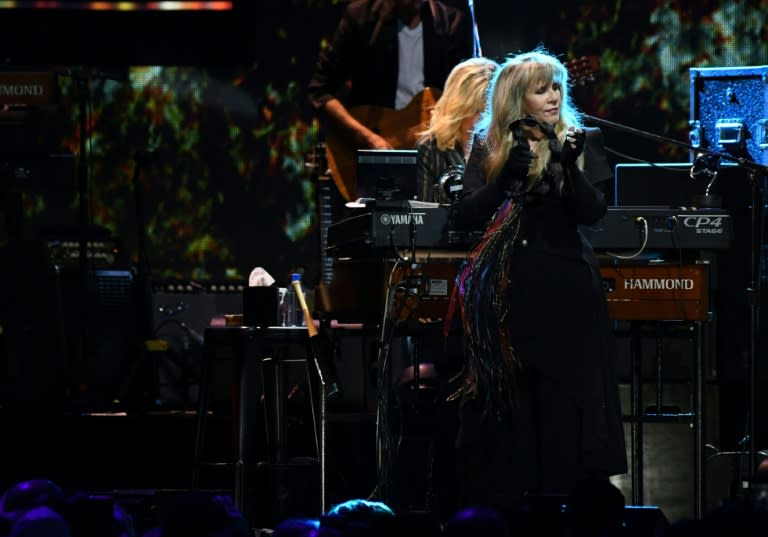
{"x": 516, "y": 168}
{"x": 573, "y": 146}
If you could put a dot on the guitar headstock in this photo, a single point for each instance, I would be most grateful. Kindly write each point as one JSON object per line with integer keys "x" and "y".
{"x": 583, "y": 69}
{"x": 316, "y": 161}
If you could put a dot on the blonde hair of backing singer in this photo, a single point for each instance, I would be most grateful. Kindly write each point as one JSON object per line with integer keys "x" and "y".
{"x": 516, "y": 76}
{"x": 311, "y": 328}
{"x": 463, "y": 97}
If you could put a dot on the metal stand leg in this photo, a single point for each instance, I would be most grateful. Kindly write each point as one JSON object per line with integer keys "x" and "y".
{"x": 239, "y": 367}
{"x": 699, "y": 423}
{"x": 238, "y": 341}
{"x": 319, "y": 445}
{"x": 636, "y": 392}
{"x": 323, "y": 474}
{"x": 203, "y": 403}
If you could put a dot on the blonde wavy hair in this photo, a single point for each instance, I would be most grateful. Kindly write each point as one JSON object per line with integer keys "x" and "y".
{"x": 516, "y": 76}
{"x": 464, "y": 95}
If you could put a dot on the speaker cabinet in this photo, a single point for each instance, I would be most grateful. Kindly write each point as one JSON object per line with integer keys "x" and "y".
{"x": 65, "y": 341}
{"x": 668, "y": 452}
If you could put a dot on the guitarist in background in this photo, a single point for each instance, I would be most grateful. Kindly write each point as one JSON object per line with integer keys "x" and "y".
{"x": 382, "y": 54}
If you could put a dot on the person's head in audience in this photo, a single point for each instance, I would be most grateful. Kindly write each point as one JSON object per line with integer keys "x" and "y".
{"x": 93, "y": 515}
{"x": 297, "y": 527}
{"x": 476, "y": 521}
{"x": 595, "y": 508}
{"x": 25, "y": 495}
{"x": 41, "y": 521}
{"x": 357, "y": 518}
{"x": 197, "y": 514}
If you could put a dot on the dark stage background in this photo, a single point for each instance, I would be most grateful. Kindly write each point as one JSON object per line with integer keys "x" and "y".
{"x": 205, "y": 117}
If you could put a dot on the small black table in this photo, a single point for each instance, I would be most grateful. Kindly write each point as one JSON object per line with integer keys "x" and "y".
{"x": 245, "y": 343}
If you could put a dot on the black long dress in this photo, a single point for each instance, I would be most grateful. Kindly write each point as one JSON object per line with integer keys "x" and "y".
{"x": 566, "y": 424}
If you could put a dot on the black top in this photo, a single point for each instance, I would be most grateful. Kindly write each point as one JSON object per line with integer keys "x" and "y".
{"x": 431, "y": 164}
{"x": 364, "y": 51}
{"x": 551, "y": 218}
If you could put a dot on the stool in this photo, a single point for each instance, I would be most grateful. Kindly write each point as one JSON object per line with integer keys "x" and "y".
{"x": 244, "y": 342}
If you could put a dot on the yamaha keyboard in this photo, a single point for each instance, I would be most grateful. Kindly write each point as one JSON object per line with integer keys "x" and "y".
{"x": 636, "y": 228}
{"x": 393, "y": 226}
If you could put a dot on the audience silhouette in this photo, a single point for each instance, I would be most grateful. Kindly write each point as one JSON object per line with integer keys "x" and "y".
{"x": 593, "y": 508}
{"x": 476, "y": 521}
{"x": 199, "y": 514}
{"x": 297, "y": 527}
{"x": 40, "y": 521}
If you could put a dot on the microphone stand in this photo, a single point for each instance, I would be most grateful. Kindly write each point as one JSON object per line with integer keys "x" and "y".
{"x": 84, "y": 218}
{"x": 741, "y": 161}
{"x": 757, "y": 174}
{"x": 477, "y": 49}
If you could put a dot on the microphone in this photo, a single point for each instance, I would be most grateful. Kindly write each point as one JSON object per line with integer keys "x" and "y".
{"x": 318, "y": 345}
{"x": 526, "y": 128}
{"x": 517, "y": 132}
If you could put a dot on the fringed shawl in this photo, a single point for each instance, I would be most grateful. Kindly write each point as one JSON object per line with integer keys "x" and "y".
{"x": 481, "y": 284}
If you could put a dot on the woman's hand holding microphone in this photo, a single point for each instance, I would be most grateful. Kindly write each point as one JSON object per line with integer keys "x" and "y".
{"x": 573, "y": 146}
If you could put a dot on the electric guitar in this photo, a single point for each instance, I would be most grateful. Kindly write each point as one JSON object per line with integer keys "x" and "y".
{"x": 401, "y": 127}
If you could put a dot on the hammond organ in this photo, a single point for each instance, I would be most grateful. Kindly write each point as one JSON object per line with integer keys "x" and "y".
{"x": 642, "y": 290}
{"x": 664, "y": 292}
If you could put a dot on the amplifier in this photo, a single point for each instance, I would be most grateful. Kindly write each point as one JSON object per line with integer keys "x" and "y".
{"x": 194, "y": 304}
{"x": 657, "y": 292}
{"x": 66, "y": 253}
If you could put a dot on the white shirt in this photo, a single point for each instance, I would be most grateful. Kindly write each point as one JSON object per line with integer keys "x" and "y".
{"x": 410, "y": 78}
